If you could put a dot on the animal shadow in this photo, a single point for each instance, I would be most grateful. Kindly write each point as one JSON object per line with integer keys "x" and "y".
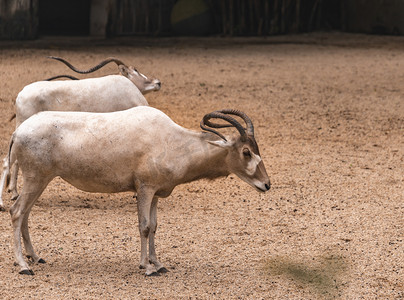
{"x": 322, "y": 275}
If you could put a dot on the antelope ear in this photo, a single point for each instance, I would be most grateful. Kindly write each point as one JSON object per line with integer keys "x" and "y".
{"x": 221, "y": 143}
{"x": 124, "y": 70}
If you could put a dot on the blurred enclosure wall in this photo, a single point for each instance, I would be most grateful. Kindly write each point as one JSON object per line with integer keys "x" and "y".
{"x": 29, "y": 19}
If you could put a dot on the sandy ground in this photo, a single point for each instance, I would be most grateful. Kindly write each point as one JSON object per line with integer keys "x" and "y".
{"x": 329, "y": 118}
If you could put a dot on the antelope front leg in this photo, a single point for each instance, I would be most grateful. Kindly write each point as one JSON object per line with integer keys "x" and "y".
{"x": 144, "y": 202}
{"x": 152, "y": 249}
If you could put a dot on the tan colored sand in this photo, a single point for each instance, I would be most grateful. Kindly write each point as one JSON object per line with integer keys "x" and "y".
{"x": 329, "y": 118}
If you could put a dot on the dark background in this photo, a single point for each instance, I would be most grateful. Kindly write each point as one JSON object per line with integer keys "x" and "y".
{"x": 30, "y": 19}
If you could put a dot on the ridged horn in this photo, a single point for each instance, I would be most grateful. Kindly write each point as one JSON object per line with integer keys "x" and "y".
{"x": 62, "y": 76}
{"x": 222, "y": 114}
{"x": 242, "y": 115}
{"x": 93, "y": 69}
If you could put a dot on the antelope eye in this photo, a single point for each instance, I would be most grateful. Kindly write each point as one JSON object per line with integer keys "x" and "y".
{"x": 246, "y": 152}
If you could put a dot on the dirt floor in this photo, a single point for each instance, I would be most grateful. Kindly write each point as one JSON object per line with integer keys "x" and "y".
{"x": 329, "y": 116}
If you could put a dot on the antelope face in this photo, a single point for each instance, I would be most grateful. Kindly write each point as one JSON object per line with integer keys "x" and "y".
{"x": 243, "y": 158}
{"x": 246, "y": 163}
{"x": 142, "y": 82}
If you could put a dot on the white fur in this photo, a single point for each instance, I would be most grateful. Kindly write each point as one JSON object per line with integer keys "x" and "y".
{"x": 140, "y": 149}
{"x": 252, "y": 164}
{"x": 103, "y": 94}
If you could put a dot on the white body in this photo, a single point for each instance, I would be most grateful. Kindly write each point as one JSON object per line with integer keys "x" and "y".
{"x": 103, "y": 94}
{"x": 140, "y": 150}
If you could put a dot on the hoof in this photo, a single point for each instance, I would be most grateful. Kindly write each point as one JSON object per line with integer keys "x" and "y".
{"x": 153, "y": 274}
{"x": 27, "y": 272}
{"x": 41, "y": 261}
{"x": 163, "y": 270}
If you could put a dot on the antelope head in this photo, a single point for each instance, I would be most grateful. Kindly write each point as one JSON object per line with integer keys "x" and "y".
{"x": 244, "y": 158}
{"x": 143, "y": 83}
